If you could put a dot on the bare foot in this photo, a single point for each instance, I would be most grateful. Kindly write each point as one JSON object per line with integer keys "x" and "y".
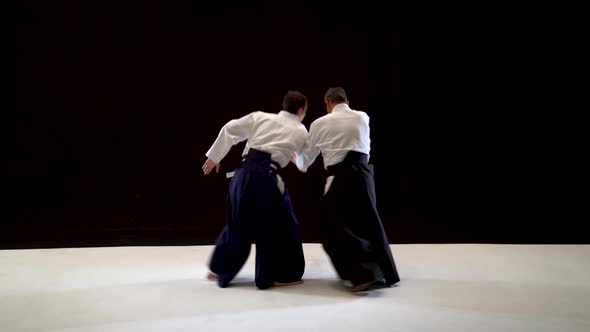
{"x": 362, "y": 287}
{"x": 211, "y": 276}
{"x": 284, "y": 284}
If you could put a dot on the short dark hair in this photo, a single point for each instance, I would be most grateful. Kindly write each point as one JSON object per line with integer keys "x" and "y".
{"x": 336, "y": 95}
{"x": 293, "y": 101}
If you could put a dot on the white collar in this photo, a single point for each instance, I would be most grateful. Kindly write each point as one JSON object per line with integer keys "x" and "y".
{"x": 341, "y": 107}
{"x": 290, "y": 115}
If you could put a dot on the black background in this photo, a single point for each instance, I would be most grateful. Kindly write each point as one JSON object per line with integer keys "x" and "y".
{"x": 479, "y": 115}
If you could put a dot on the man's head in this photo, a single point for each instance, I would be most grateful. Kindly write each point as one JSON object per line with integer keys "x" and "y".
{"x": 295, "y": 102}
{"x": 333, "y": 97}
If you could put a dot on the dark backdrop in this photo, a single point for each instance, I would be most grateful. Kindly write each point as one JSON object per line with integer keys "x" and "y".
{"x": 479, "y": 115}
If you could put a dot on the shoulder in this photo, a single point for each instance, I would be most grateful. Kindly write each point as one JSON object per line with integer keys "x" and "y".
{"x": 319, "y": 121}
{"x": 362, "y": 115}
{"x": 259, "y": 115}
{"x": 254, "y": 114}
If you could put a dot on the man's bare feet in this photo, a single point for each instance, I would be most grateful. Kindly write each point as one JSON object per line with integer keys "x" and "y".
{"x": 284, "y": 284}
{"x": 211, "y": 276}
{"x": 362, "y": 287}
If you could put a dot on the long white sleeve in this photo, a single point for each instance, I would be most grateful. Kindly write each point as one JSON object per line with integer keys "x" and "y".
{"x": 232, "y": 133}
{"x": 310, "y": 151}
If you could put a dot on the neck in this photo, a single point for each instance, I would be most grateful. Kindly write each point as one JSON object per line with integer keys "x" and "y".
{"x": 300, "y": 116}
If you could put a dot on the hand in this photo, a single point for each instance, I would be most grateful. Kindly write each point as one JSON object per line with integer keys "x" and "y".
{"x": 209, "y": 165}
{"x": 293, "y": 158}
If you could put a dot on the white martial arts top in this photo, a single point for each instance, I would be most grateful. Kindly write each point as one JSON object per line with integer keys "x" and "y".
{"x": 334, "y": 134}
{"x": 278, "y": 134}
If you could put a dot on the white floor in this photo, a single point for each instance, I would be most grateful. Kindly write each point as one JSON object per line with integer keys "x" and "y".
{"x": 443, "y": 288}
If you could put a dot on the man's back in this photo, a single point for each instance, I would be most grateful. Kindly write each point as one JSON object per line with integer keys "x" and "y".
{"x": 353, "y": 235}
{"x": 278, "y": 134}
{"x": 341, "y": 131}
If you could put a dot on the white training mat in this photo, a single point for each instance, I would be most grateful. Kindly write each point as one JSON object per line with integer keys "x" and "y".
{"x": 453, "y": 287}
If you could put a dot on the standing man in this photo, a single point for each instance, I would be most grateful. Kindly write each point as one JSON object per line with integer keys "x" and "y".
{"x": 258, "y": 207}
{"x": 353, "y": 235}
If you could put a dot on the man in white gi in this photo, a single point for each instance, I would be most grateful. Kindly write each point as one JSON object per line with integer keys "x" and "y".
{"x": 258, "y": 207}
{"x": 352, "y": 232}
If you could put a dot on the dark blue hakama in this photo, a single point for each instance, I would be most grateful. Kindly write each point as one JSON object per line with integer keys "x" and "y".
{"x": 258, "y": 212}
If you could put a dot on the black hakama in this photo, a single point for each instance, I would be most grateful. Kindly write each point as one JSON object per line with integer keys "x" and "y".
{"x": 352, "y": 232}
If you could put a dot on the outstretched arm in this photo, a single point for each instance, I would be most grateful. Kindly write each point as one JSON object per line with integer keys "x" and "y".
{"x": 307, "y": 155}
{"x": 232, "y": 133}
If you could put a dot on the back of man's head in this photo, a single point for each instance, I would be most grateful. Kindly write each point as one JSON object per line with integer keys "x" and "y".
{"x": 293, "y": 101}
{"x": 335, "y": 96}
